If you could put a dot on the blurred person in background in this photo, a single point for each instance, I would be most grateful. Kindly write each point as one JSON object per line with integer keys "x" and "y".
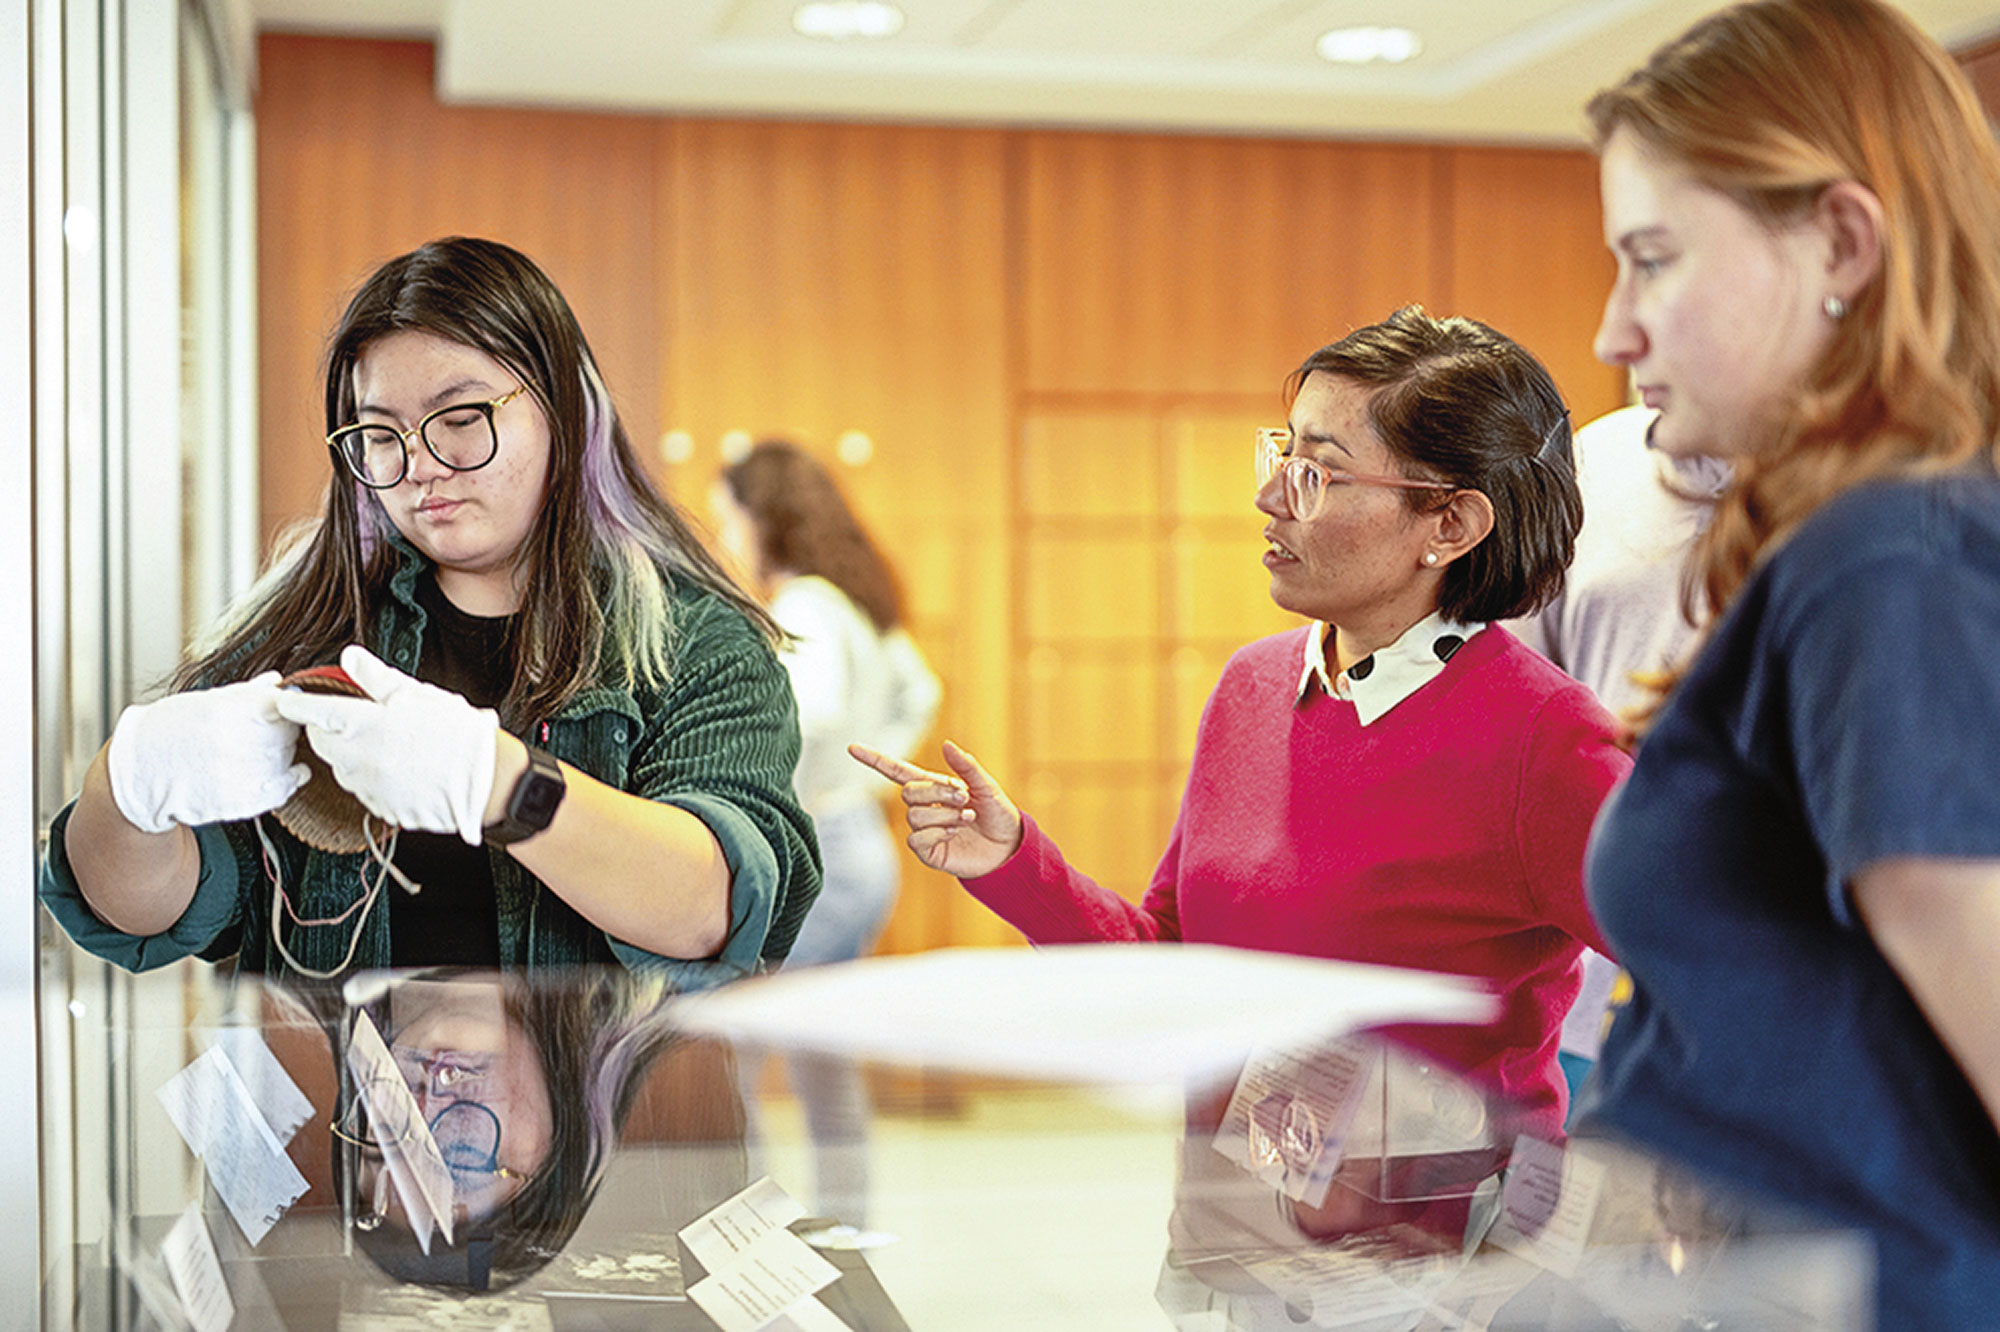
{"x": 780, "y": 515}
{"x": 1622, "y": 621}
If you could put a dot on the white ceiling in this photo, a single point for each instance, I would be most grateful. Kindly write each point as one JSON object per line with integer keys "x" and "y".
{"x": 1516, "y": 70}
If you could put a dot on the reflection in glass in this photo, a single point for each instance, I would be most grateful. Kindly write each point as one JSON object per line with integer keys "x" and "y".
{"x": 1360, "y": 1185}
{"x": 524, "y": 1089}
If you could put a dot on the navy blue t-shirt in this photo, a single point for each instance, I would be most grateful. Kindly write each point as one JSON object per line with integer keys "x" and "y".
{"x": 1846, "y": 710}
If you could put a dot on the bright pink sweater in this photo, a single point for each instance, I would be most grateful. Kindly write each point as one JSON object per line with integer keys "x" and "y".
{"x": 1447, "y": 836}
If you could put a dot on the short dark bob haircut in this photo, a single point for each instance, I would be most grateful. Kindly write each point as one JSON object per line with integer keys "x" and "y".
{"x": 1457, "y": 402}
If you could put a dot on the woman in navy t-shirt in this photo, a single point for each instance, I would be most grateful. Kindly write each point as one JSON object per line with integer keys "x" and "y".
{"x": 1803, "y": 873}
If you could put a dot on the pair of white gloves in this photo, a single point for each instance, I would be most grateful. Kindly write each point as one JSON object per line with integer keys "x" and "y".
{"x": 414, "y": 755}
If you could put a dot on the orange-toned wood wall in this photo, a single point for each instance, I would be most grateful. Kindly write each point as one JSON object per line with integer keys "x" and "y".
{"x": 1057, "y": 342}
{"x": 1981, "y": 64}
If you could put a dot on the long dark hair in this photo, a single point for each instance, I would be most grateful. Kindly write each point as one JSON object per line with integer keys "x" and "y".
{"x": 597, "y": 565}
{"x": 805, "y": 526}
{"x": 1457, "y": 401}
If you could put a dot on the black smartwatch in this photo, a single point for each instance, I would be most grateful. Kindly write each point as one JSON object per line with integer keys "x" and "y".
{"x": 533, "y": 802}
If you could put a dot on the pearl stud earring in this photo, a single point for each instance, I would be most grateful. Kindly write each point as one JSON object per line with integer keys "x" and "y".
{"x": 1835, "y": 308}
{"x": 1430, "y": 557}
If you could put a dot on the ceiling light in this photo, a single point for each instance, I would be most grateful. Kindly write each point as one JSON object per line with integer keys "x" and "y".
{"x": 1359, "y": 46}
{"x": 842, "y": 19}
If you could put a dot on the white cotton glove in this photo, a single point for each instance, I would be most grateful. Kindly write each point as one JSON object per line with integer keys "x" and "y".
{"x": 417, "y": 756}
{"x": 204, "y": 756}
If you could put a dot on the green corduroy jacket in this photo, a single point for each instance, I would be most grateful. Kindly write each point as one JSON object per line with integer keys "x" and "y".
{"x": 720, "y": 740}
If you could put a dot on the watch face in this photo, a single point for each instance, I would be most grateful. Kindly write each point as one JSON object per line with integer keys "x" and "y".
{"x": 536, "y": 800}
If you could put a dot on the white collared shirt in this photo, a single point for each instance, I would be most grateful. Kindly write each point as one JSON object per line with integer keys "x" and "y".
{"x": 1387, "y": 676}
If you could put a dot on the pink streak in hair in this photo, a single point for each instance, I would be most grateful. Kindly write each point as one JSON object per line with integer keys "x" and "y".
{"x": 370, "y": 520}
{"x": 607, "y": 498}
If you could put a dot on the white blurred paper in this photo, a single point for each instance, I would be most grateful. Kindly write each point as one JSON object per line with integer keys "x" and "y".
{"x": 216, "y": 1114}
{"x": 1080, "y": 1012}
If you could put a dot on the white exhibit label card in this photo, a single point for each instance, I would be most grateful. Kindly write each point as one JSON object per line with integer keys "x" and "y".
{"x": 408, "y": 1149}
{"x": 189, "y": 1253}
{"x": 1288, "y": 1118}
{"x": 222, "y": 1125}
{"x": 284, "y": 1106}
{"x": 807, "y": 1315}
{"x": 716, "y": 1237}
{"x": 1547, "y": 1205}
{"x": 762, "y": 1281}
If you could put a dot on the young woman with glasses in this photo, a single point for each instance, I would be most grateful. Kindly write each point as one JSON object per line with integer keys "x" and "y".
{"x": 1400, "y": 782}
{"x": 574, "y": 726}
{"x": 1803, "y": 874}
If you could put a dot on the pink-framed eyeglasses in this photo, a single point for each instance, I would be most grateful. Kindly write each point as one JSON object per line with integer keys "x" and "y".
{"x": 1307, "y": 479}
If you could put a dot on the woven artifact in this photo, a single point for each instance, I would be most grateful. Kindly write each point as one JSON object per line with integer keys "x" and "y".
{"x": 322, "y": 813}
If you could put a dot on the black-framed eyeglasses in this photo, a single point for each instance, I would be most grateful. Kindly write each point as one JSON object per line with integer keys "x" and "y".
{"x": 461, "y": 437}
{"x": 465, "y": 1128}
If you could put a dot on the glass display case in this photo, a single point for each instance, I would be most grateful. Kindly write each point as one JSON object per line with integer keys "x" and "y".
{"x": 580, "y": 1150}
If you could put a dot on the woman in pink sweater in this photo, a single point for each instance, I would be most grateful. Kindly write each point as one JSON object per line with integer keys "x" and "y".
{"x": 1400, "y": 782}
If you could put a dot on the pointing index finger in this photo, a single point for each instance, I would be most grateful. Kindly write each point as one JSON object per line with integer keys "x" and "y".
{"x": 894, "y": 769}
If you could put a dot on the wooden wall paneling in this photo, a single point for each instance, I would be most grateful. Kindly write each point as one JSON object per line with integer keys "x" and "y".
{"x": 1090, "y": 603}
{"x": 1108, "y": 821}
{"x": 1221, "y": 589}
{"x": 1219, "y": 586}
{"x": 831, "y": 276}
{"x": 358, "y": 162}
{"x": 1529, "y": 259}
{"x": 1090, "y": 703}
{"x": 1981, "y": 65}
{"x": 1089, "y": 464}
{"x": 1193, "y": 670}
{"x": 1093, "y": 587}
{"x": 836, "y": 278}
{"x": 1181, "y": 265}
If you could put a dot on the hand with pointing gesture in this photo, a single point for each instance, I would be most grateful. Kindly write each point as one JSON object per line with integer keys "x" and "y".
{"x": 963, "y": 825}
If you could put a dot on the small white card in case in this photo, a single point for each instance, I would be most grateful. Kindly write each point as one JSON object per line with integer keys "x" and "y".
{"x": 763, "y": 1282}
{"x": 412, "y": 1159}
{"x": 1547, "y": 1205}
{"x": 718, "y": 1235}
{"x": 1289, "y": 1116}
{"x": 759, "y": 1273}
{"x": 189, "y": 1253}
{"x": 284, "y": 1106}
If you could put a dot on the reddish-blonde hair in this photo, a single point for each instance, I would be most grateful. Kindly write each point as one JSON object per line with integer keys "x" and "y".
{"x": 1771, "y": 102}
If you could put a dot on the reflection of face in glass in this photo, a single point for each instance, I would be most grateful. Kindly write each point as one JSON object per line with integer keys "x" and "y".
{"x": 518, "y": 1081}
{"x": 478, "y": 1087}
